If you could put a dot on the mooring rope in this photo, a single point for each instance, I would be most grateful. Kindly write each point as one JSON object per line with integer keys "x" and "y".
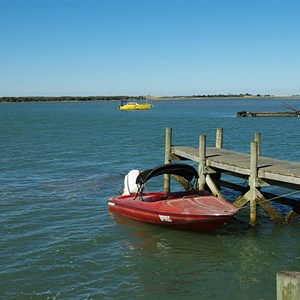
{"x": 284, "y": 195}
{"x": 274, "y": 198}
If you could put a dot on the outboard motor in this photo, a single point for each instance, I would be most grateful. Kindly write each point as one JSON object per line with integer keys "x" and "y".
{"x": 130, "y": 186}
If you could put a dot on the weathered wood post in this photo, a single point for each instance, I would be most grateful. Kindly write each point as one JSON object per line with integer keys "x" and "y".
{"x": 168, "y": 147}
{"x": 215, "y": 176}
{"x": 219, "y": 138}
{"x": 257, "y": 139}
{"x": 253, "y": 183}
{"x": 288, "y": 285}
{"x": 202, "y": 162}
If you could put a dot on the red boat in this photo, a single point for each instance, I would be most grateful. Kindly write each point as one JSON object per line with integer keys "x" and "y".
{"x": 188, "y": 210}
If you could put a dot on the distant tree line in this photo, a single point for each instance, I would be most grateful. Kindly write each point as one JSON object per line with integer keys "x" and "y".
{"x": 230, "y": 95}
{"x": 64, "y": 98}
{"x": 217, "y": 96}
{"x": 109, "y": 98}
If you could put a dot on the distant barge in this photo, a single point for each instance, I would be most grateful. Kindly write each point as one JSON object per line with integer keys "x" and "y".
{"x": 267, "y": 114}
{"x": 294, "y": 113}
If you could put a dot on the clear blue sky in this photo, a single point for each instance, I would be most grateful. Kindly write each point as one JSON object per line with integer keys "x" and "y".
{"x": 149, "y": 47}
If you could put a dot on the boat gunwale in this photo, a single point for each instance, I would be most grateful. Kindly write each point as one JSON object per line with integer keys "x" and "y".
{"x": 153, "y": 211}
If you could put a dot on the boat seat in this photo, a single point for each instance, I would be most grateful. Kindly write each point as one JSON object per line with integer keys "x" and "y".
{"x": 155, "y": 198}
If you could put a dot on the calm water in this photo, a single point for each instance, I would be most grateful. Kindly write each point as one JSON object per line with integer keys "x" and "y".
{"x": 61, "y": 161}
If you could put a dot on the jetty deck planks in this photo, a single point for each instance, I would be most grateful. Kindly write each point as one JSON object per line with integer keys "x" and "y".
{"x": 238, "y": 164}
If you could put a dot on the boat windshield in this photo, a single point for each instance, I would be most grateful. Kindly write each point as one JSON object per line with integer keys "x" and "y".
{"x": 186, "y": 171}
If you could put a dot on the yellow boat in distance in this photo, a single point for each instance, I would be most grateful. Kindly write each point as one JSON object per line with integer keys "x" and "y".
{"x": 133, "y": 105}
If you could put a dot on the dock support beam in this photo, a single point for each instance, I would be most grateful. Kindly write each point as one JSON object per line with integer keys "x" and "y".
{"x": 168, "y": 148}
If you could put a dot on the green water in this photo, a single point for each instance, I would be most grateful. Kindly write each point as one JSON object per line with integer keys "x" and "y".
{"x": 61, "y": 161}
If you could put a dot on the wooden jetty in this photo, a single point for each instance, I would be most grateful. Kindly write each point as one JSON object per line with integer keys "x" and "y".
{"x": 260, "y": 172}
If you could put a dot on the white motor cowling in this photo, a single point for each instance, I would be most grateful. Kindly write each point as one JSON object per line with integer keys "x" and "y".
{"x": 130, "y": 186}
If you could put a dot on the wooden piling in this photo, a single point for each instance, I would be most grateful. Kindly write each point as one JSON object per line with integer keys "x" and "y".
{"x": 288, "y": 285}
{"x": 202, "y": 162}
{"x": 253, "y": 182}
{"x": 168, "y": 147}
{"x": 257, "y": 139}
{"x": 219, "y": 138}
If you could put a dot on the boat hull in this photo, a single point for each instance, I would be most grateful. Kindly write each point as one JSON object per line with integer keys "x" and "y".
{"x": 203, "y": 213}
{"x": 136, "y": 106}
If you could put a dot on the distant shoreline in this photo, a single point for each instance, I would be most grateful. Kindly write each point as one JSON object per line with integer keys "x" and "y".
{"x": 151, "y": 98}
{"x": 224, "y": 97}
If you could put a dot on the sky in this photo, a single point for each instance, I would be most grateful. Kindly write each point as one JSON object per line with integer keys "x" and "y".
{"x": 149, "y": 47}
